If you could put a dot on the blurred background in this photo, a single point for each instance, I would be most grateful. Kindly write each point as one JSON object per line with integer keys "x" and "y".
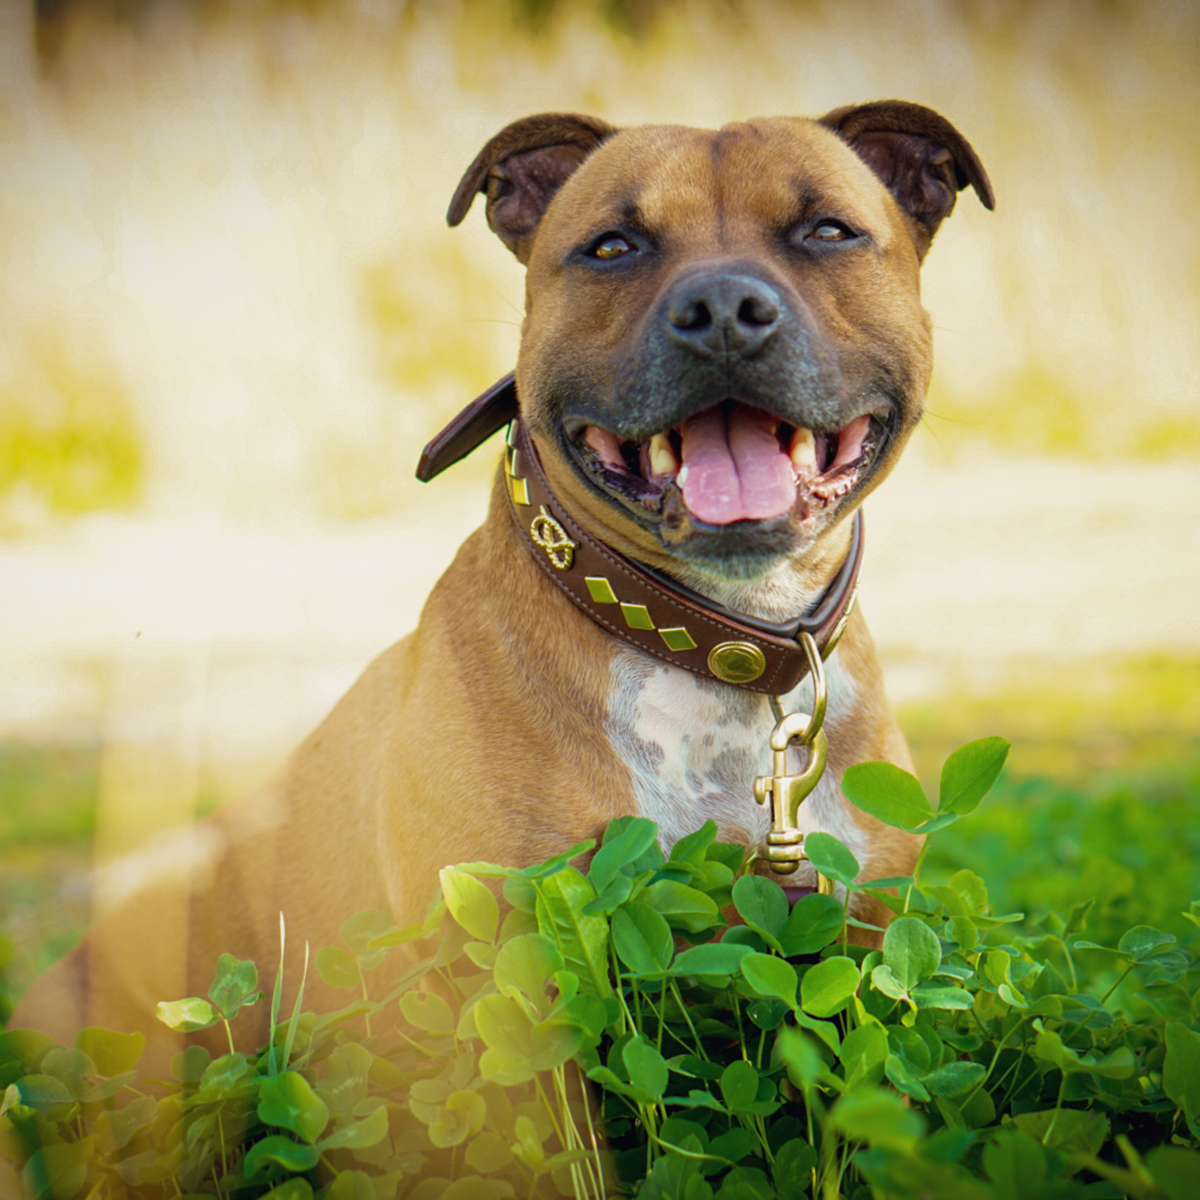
{"x": 232, "y": 314}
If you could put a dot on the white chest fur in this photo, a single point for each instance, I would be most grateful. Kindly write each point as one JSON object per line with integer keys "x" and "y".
{"x": 694, "y": 747}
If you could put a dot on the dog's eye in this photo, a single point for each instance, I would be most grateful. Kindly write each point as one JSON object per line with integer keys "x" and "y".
{"x": 611, "y": 245}
{"x": 830, "y": 231}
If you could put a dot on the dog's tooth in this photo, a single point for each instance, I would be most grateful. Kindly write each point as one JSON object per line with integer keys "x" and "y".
{"x": 681, "y": 478}
{"x": 662, "y": 457}
{"x": 803, "y": 450}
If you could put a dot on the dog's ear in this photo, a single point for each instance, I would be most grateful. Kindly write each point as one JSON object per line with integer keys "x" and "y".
{"x": 924, "y": 161}
{"x": 521, "y": 168}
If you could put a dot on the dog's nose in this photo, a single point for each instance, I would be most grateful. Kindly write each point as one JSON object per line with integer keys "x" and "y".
{"x": 722, "y": 314}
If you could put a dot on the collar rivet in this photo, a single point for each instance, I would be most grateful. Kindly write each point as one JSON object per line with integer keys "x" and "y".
{"x": 737, "y": 662}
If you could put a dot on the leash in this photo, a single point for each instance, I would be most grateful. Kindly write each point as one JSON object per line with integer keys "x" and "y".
{"x": 661, "y": 617}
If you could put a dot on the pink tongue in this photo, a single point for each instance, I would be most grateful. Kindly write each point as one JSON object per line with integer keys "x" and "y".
{"x": 735, "y": 470}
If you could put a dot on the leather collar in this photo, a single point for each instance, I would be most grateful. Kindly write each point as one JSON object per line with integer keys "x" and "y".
{"x": 641, "y": 606}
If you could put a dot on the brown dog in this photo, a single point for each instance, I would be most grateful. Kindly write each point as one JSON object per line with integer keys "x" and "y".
{"x": 723, "y": 352}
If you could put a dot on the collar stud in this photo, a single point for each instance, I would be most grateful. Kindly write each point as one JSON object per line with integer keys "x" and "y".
{"x": 737, "y": 662}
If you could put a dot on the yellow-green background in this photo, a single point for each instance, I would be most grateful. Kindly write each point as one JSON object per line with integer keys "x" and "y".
{"x": 231, "y": 313}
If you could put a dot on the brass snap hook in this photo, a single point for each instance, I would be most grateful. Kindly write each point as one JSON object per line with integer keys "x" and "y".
{"x": 785, "y": 791}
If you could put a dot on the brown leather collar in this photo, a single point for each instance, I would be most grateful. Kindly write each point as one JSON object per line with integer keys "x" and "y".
{"x": 656, "y": 614}
{"x": 636, "y": 604}
{"x": 486, "y": 414}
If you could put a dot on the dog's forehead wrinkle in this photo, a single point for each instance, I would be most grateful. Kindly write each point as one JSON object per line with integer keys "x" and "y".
{"x": 676, "y": 201}
{"x": 681, "y": 179}
{"x": 817, "y": 195}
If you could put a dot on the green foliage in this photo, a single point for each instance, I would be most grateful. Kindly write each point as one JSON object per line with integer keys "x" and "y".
{"x": 1129, "y": 852}
{"x": 47, "y": 794}
{"x": 770, "y": 1058}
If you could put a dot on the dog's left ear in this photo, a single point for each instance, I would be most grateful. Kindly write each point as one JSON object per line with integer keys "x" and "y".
{"x": 521, "y": 168}
{"x": 924, "y": 161}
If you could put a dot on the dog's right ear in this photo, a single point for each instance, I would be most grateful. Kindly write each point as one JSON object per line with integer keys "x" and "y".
{"x": 521, "y": 168}
{"x": 920, "y": 157}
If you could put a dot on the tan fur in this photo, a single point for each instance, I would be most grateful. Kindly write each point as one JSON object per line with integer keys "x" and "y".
{"x": 487, "y": 732}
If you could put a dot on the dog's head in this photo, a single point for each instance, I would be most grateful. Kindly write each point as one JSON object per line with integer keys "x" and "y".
{"x": 724, "y": 347}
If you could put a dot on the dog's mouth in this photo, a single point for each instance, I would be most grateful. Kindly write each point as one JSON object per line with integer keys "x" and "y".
{"x": 733, "y": 462}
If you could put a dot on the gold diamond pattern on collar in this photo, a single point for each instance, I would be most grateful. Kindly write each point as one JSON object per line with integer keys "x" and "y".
{"x": 637, "y": 616}
{"x": 600, "y": 589}
{"x": 677, "y": 638}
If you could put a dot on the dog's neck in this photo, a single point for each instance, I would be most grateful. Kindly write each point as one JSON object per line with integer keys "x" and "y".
{"x": 662, "y": 616}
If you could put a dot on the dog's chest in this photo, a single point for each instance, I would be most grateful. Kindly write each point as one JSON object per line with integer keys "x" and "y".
{"x": 693, "y": 749}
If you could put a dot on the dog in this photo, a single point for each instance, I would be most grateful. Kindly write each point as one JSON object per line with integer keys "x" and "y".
{"x": 723, "y": 352}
